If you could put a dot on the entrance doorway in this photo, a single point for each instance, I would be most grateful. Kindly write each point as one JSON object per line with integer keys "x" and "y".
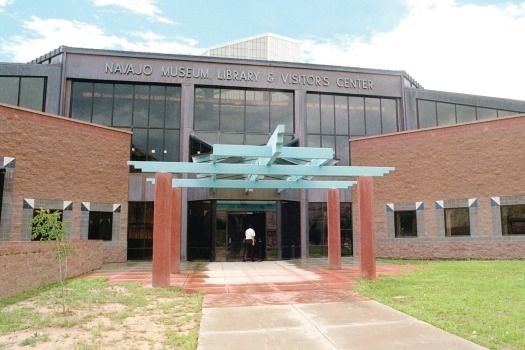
{"x": 229, "y": 243}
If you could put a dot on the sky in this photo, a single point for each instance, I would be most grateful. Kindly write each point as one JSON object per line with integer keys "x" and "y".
{"x": 473, "y": 47}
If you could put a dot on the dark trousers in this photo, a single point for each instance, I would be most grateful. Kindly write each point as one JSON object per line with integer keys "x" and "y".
{"x": 248, "y": 250}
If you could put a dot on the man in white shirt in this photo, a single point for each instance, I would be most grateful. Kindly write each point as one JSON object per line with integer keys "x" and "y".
{"x": 249, "y": 243}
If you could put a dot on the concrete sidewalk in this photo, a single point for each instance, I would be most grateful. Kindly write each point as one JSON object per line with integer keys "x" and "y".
{"x": 344, "y": 325}
{"x": 293, "y": 304}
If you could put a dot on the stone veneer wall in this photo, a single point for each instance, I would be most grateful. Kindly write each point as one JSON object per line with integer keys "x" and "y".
{"x": 476, "y": 165}
{"x": 27, "y": 265}
{"x": 64, "y": 164}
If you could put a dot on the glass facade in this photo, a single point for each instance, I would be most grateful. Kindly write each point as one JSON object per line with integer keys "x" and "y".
{"x": 333, "y": 119}
{"x": 433, "y": 113}
{"x": 151, "y": 111}
{"x": 318, "y": 229}
{"x": 27, "y": 92}
{"x": 243, "y": 117}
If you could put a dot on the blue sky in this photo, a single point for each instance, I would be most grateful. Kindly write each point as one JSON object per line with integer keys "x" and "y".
{"x": 473, "y": 47}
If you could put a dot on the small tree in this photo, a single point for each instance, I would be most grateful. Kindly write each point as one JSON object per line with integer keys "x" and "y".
{"x": 47, "y": 227}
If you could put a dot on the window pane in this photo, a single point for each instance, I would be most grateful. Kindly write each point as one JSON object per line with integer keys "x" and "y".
{"x": 373, "y": 116}
{"x": 281, "y": 111}
{"x": 257, "y": 139}
{"x": 486, "y": 113}
{"x": 341, "y": 115}
{"x": 81, "y": 101}
{"x": 313, "y": 114}
{"x": 232, "y": 139}
{"x": 341, "y": 150}
{"x": 100, "y": 225}
{"x": 465, "y": 114}
{"x": 123, "y": 105}
{"x": 207, "y": 102}
{"x": 32, "y": 93}
{"x": 426, "y": 113}
{"x": 406, "y": 223}
{"x": 9, "y": 90}
{"x": 457, "y": 222}
{"x": 513, "y": 219}
{"x": 446, "y": 113}
{"x": 141, "y": 106}
{"x": 328, "y": 141}
{"x": 102, "y": 104}
{"x": 171, "y": 146}
{"x": 314, "y": 141}
{"x": 388, "y": 116}
{"x": 327, "y": 115}
{"x": 139, "y": 144}
{"x": 156, "y": 144}
{"x": 232, "y": 110}
{"x": 157, "y": 106}
{"x": 356, "y": 112}
{"x": 258, "y": 111}
{"x": 173, "y": 107}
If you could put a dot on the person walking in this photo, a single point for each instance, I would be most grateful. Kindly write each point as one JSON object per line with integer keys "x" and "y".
{"x": 249, "y": 243}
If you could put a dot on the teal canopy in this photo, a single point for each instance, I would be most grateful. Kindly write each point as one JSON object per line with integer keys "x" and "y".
{"x": 272, "y": 166}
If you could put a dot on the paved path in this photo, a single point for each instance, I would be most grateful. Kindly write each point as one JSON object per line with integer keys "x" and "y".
{"x": 297, "y": 304}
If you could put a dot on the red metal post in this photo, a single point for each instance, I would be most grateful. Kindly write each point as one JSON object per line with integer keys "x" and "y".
{"x": 334, "y": 229}
{"x": 367, "y": 255}
{"x": 162, "y": 230}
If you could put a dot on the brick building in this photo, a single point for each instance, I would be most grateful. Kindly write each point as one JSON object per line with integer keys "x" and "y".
{"x": 68, "y": 165}
{"x": 457, "y": 192}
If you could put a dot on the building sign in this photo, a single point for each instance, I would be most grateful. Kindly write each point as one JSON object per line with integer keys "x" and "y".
{"x": 212, "y": 73}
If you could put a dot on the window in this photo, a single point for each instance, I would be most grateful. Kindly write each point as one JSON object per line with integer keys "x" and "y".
{"x": 35, "y": 213}
{"x": 332, "y": 119}
{"x": 100, "y": 225}
{"x": 152, "y": 111}
{"x": 245, "y": 117}
{"x": 28, "y": 92}
{"x": 513, "y": 219}
{"x": 406, "y": 223}
{"x": 457, "y": 222}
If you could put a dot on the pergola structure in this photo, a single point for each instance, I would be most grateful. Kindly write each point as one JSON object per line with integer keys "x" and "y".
{"x": 272, "y": 166}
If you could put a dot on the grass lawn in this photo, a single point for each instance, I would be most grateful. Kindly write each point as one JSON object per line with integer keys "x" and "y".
{"x": 100, "y": 315}
{"x": 482, "y": 301}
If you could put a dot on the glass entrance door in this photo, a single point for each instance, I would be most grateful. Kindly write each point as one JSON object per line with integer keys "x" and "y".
{"x": 229, "y": 243}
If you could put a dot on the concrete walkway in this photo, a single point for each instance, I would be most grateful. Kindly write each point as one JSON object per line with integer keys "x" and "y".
{"x": 296, "y": 304}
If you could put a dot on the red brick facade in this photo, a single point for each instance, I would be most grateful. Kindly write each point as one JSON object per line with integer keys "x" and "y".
{"x": 477, "y": 165}
{"x": 61, "y": 161}
{"x": 26, "y": 265}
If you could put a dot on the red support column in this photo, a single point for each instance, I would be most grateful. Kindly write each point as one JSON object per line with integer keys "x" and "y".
{"x": 334, "y": 230}
{"x": 367, "y": 255}
{"x": 175, "y": 230}
{"x": 162, "y": 230}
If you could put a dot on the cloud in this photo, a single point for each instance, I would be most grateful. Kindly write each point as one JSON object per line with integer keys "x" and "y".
{"x": 445, "y": 46}
{"x": 48, "y": 34}
{"x": 140, "y": 7}
{"x": 4, "y": 3}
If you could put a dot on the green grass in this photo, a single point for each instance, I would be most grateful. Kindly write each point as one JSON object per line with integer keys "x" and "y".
{"x": 482, "y": 301}
{"x": 39, "y": 311}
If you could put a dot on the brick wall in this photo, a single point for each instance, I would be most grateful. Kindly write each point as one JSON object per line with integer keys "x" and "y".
{"x": 61, "y": 159}
{"x": 473, "y": 163}
{"x": 26, "y": 265}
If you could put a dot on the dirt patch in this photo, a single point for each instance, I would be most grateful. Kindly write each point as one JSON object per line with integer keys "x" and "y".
{"x": 103, "y": 316}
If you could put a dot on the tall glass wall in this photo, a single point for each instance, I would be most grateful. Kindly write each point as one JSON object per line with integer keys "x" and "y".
{"x": 28, "y": 92}
{"x": 243, "y": 117}
{"x": 432, "y": 113}
{"x": 151, "y": 111}
{"x": 333, "y": 119}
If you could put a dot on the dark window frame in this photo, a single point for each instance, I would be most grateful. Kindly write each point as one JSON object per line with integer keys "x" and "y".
{"x": 512, "y": 225}
{"x": 398, "y": 223}
{"x": 449, "y": 231}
